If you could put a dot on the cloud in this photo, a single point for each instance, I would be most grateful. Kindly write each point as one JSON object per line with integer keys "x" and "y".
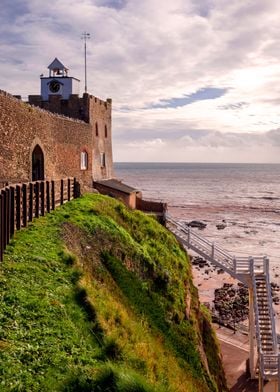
{"x": 200, "y": 95}
{"x": 175, "y": 59}
{"x": 116, "y": 4}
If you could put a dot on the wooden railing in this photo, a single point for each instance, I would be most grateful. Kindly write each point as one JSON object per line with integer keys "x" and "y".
{"x": 21, "y": 203}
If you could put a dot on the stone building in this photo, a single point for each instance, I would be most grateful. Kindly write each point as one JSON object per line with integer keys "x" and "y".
{"x": 55, "y": 134}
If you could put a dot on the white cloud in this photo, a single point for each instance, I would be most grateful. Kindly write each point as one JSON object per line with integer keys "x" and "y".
{"x": 142, "y": 52}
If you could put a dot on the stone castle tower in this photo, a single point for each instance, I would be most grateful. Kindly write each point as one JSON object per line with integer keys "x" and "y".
{"x": 57, "y": 133}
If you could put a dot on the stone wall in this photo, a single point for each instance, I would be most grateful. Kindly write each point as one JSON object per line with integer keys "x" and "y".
{"x": 62, "y": 140}
{"x": 101, "y": 119}
{"x": 94, "y": 111}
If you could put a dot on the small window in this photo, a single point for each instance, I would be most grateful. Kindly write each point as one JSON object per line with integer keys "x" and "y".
{"x": 96, "y": 129}
{"x": 106, "y": 132}
{"x": 102, "y": 159}
{"x": 84, "y": 160}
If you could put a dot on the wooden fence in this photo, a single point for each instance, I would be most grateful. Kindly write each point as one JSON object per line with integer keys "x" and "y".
{"x": 21, "y": 203}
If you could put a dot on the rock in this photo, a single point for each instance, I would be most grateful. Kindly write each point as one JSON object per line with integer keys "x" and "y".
{"x": 230, "y": 305}
{"x": 221, "y": 226}
{"x": 220, "y": 271}
{"x": 198, "y": 261}
{"x": 200, "y": 225}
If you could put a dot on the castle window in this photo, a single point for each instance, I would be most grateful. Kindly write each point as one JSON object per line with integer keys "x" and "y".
{"x": 102, "y": 159}
{"x": 84, "y": 160}
{"x": 96, "y": 129}
{"x": 106, "y": 131}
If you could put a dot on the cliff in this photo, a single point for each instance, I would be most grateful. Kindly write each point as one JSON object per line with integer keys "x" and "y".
{"x": 95, "y": 297}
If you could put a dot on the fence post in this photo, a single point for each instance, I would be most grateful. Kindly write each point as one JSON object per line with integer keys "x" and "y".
{"x": 30, "y": 209}
{"x": 69, "y": 189}
{"x": 61, "y": 192}
{"x": 37, "y": 192}
{"x": 4, "y": 218}
{"x": 212, "y": 250}
{"x": 8, "y": 206}
{"x": 48, "y": 196}
{"x": 42, "y": 186}
{"x": 1, "y": 229}
{"x": 53, "y": 195}
{"x": 24, "y": 205}
{"x": 18, "y": 207}
{"x": 12, "y": 211}
{"x": 76, "y": 190}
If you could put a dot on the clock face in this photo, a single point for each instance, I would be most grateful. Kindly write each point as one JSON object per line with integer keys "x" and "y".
{"x": 54, "y": 86}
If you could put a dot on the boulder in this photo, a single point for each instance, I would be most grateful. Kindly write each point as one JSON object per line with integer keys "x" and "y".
{"x": 198, "y": 224}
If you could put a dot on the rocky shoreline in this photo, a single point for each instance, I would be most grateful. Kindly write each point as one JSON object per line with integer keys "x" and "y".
{"x": 229, "y": 303}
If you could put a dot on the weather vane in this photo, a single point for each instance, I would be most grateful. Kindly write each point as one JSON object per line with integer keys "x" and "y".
{"x": 85, "y": 37}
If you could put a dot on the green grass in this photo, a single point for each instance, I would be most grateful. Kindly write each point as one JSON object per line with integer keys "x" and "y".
{"x": 93, "y": 298}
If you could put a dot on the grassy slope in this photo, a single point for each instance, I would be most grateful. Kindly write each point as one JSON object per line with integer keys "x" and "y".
{"x": 94, "y": 296}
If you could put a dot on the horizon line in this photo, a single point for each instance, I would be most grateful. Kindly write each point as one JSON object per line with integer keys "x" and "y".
{"x": 196, "y": 162}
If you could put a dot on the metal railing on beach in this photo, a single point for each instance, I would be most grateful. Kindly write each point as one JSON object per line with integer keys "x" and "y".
{"x": 254, "y": 272}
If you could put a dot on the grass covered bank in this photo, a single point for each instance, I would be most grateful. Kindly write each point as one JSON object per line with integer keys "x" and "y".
{"x": 95, "y": 297}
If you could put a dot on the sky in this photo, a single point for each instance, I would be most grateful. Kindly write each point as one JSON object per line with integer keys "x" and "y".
{"x": 191, "y": 80}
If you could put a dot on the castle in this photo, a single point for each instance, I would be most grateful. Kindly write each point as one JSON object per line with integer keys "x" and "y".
{"x": 55, "y": 134}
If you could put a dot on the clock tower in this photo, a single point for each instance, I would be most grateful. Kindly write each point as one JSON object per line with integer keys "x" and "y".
{"x": 58, "y": 82}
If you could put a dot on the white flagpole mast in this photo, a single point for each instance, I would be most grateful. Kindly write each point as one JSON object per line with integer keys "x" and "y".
{"x": 85, "y": 37}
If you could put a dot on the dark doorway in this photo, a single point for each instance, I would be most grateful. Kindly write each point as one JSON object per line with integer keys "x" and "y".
{"x": 37, "y": 164}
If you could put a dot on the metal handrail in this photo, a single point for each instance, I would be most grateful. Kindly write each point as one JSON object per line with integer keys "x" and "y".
{"x": 271, "y": 312}
{"x": 258, "y": 335}
{"x": 238, "y": 267}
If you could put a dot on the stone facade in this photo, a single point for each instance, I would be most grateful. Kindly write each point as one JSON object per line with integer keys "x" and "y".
{"x": 64, "y": 130}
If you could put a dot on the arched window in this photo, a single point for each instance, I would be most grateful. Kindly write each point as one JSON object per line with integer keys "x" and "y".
{"x": 96, "y": 129}
{"x": 106, "y": 131}
{"x": 37, "y": 164}
{"x": 84, "y": 160}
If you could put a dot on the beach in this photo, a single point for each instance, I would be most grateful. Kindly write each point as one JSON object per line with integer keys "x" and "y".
{"x": 243, "y": 198}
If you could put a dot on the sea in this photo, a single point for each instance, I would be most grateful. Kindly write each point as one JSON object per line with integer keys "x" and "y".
{"x": 243, "y": 198}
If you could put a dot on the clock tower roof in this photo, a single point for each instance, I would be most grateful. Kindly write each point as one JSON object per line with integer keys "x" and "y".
{"x": 57, "y": 68}
{"x": 57, "y": 65}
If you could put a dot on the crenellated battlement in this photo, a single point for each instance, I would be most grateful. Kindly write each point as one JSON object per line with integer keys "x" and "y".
{"x": 76, "y": 107}
{"x": 57, "y": 133}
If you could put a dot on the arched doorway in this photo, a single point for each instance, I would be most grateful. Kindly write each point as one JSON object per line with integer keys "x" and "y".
{"x": 37, "y": 164}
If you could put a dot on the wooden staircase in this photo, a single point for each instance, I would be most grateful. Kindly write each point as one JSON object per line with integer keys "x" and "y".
{"x": 254, "y": 272}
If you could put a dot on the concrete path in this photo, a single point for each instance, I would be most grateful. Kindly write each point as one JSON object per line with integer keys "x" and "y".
{"x": 235, "y": 352}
